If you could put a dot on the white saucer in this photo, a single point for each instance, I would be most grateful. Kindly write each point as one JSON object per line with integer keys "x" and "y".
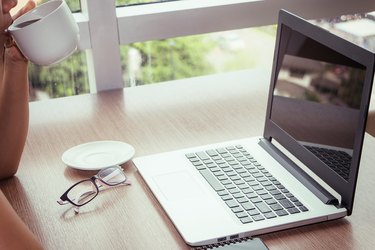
{"x": 97, "y": 155}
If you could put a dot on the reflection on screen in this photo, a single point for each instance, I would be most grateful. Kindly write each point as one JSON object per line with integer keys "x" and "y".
{"x": 316, "y": 100}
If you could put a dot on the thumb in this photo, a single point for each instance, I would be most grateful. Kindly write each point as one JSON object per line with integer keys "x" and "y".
{"x": 29, "y": 6}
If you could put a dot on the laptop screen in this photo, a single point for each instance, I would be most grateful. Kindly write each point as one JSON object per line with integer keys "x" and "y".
{"x": 318, "y": 101}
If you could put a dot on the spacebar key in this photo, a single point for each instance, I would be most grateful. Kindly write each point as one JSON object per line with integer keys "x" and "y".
{"x": 211, "y": 179}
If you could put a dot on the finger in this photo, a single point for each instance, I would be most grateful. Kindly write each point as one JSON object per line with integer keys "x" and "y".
{"x": 8, "y": 5}
{"x": 28, "y": 6}
{"x": 12, "y": 52}
{"x": 9, "y": 42}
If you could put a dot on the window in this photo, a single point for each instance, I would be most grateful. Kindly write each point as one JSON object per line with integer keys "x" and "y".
{"x": 115, "y": 31}
{"x": 184, "y": 57}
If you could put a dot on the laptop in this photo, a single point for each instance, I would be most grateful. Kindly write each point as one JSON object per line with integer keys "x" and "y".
{"x": 304, "y": 167}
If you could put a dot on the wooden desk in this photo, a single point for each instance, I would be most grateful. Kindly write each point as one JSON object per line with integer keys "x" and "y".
{"x": 153, "y": 119}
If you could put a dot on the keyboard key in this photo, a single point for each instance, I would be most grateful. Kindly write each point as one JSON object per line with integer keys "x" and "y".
{"x": 298, "y": 204}
{"x": 237, "y": 210}
{"x": 210, "y": 178}
{"x": 276, "y": 207}
{"x": 246, "y": 220}
{"x": 270, "y": 215}
{"x": 248, "y": 205}
{"x": 230, "y": 186}
{"x": 293, "y": 210}
{"x": 211, "y": 152}
{"x": 190, "y": 156}
{"x": 303, "y": 208}
{"x": 294, "y": 199}
{"x": 271, "y": 201}
{"x": 275, "y": 192}
{"x": 227, "y": 197}
{"x": 270, "y": 187}
{"x": 240, "y": 182}
{"x": 281, "y": 212}
{"x": 256, "y": 200}
{"x": 262, "y": 179}
{"x": 258, "y": 217}
{"x": 232, "y": 203}
{"x": 235, "y": 177}
{"x": 239, "y": 196}
{"x": 242, "y": 199}
{"x": 262, "y": 207}
{"x": 251, "y": 195}
{"x": 279, "y": 197}
{"x": 257, "y": 187}
{"x": 200, "y": 167}
{"x": 261, "y": 192}
{"x": 286, "y": 203}
{"x": 243, "y": 186}
{"x": 234, "y": 190}
{"x": 222, "y": 192}
{"x": 221, "y": 177}
{"x": 226, "y": 181}
{"x": 266, "y": 196}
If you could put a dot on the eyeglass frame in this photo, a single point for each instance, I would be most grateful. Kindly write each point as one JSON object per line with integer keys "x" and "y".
{"x": 64, "y": 199}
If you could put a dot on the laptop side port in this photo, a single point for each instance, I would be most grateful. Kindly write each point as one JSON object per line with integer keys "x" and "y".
{"x": 235, "y": 236}
{"x": 221, "y": 239}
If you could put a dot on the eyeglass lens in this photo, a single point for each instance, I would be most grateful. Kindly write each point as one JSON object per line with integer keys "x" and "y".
{"x": 112, "y": 176}
{"x": 82, "y": 192}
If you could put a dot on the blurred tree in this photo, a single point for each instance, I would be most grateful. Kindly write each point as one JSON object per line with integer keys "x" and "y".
{"x": 172, "y": 59}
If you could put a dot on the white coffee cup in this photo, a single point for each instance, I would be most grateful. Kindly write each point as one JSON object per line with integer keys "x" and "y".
{"x": 47, "y": 34}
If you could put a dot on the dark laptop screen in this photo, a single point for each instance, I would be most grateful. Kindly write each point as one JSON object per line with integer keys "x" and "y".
{"x": 318, "y": 102}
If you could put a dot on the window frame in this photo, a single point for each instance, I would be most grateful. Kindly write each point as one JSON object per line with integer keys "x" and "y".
{"x": 104, "y": 27}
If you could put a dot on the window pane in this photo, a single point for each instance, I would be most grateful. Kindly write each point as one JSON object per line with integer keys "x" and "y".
{"x": 66, "y": 78}
{"x": 183, "y": 57}
{"x": 74, "y": 5}
{"x": 357, "y": 28}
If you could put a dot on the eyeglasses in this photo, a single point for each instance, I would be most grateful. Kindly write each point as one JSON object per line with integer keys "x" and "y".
{"x": 86, "y": 190}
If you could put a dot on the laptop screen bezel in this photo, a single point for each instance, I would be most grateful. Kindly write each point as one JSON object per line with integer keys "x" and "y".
{"x": 346, "y": 188}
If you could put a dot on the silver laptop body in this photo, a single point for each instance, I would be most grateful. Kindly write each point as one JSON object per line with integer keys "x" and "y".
{"x": 330, "y": 110}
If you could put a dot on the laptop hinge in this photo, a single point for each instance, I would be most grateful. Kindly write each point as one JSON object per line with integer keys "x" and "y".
{"x": 298, "y": 173}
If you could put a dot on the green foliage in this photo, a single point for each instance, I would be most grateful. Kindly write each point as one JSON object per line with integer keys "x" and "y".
{"x": 172, "y": 59}
{"x": 128, "y": 2}
{"x": 64, "y": 79}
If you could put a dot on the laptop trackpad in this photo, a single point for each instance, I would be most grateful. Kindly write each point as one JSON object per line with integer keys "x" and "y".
{"x": 178, "y": 185}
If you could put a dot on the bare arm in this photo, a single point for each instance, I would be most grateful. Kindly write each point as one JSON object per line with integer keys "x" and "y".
{"x": 13, "y": 232}
{"x": 13, "y": 94}
{"x": 14, "y": 115}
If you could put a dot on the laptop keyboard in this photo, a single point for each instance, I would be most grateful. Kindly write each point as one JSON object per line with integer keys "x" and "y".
{"x": 339, "y": 161}
{"x": 246, "y": 187}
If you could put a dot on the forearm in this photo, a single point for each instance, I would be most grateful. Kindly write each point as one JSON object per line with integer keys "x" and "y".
{"x": 14, "y": 115}
{"x": 14, "y": 234}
